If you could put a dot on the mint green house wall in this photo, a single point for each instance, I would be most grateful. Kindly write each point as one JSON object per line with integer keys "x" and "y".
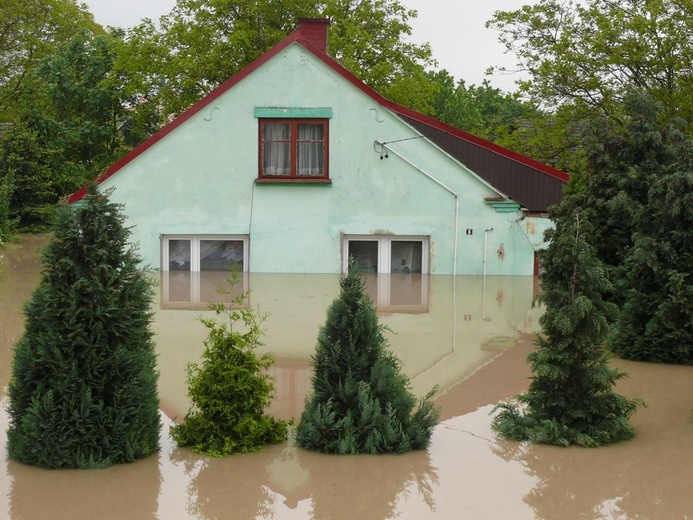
{"x": 199, "y": 179}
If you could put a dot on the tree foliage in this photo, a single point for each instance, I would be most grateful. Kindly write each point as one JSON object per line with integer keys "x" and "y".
{"x": 589, "y": 53}
{"x": 74, "y": 119}
{"x": 656, "y": 321}
{"x": 200, "y": 44}
{"x": 621, "y": 166}
{"x": 231, "y": 388}
{"x": 482, "y": 110}
{"x": 30, "y": 30}
{"x": 570, "y": 398}
{"x": 361, "y": 402}
{"x": 83, "y": 392}
{"x": 29, "y": 188}
{"x": 581, "y": 59}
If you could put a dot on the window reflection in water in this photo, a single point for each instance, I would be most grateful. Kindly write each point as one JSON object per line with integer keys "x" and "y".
{"x": 398, "y": 292}
{"x": 392, "y": 293}
{"x": 194, "y": 290}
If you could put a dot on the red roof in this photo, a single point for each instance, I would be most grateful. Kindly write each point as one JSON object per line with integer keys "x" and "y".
{"x": 312, "y": 30}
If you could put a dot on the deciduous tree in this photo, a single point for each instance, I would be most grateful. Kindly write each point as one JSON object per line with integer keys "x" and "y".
{"x": 588, "y": 53}
{"x": 30, "y": 30}
{"x": 200, "y": 44}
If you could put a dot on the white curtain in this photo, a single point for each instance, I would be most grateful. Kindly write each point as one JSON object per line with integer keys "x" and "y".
{"x": 210, "y": 247}
{"x": 178, "y": 253}
{"x": 276, "y": 149}
{"x": 311, "y": 144}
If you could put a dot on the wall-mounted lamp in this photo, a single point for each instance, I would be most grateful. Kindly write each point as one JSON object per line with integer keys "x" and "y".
{"x": 380, "y": 148}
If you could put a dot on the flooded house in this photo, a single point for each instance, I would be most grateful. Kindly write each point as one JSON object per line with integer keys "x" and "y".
{"x": 294, "y": 165}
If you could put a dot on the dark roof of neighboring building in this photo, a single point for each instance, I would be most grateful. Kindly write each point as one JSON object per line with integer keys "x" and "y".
{"x": 532, "y": 184}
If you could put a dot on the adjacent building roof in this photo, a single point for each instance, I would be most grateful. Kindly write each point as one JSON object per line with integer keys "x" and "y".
{"x": 534, "y": 185}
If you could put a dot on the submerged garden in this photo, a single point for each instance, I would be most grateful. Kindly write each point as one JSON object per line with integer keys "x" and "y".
{"x": 616, "y": 285}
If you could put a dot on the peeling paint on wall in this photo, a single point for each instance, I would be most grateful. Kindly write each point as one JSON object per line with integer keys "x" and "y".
{"x": 531, "y": 229}
{"x": 501, "y": 252}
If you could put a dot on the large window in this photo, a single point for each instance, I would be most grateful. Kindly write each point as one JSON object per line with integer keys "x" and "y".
{"x": 386, "y": 254}
{"x": 204, "y": 253}
{"x": 293, "y": 149}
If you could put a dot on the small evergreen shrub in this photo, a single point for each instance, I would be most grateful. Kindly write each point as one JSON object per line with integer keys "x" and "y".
{"x": 570, "y": 399}
{"x": 361, "y": 402}
{"x": 83, "y": 392}
{"x": 230, "y": 389}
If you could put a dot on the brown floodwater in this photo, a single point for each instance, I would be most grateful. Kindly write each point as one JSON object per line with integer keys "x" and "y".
{"x": 468, "y": 335}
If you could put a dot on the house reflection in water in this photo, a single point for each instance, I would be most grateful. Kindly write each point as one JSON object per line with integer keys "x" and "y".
{"x": 443, "y": 328}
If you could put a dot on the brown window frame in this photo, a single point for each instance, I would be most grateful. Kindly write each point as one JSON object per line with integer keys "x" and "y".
{"x": 294, "y": 176}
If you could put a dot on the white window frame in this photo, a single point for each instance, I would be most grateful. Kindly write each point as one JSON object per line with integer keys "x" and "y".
{"x": 195, "y": 248}
{"x": 385, "y": 248}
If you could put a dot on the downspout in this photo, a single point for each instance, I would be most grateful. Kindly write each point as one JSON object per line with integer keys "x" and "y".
{"x": 486, "y": 247}
{"x": 446, "y": 188}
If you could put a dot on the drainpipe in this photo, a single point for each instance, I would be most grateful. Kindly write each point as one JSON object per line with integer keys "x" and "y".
{"x": 485, "y": 247}
{"x": 446, "y": 188}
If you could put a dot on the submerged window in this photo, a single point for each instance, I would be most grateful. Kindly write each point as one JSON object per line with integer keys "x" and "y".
{"x": 386, "y": 254}
{"x": 293, "y": 149}
{"x": 204, "y": 253}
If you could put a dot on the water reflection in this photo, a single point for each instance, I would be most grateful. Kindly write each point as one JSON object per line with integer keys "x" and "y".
{"x": 442, "y": 328}
{"x": 37, "y": 493}
{"x": 195, "y": 290}
{"x": 463, "y": 336}
{"x": 633, "y": 479}
{"x": 286, "y": 478}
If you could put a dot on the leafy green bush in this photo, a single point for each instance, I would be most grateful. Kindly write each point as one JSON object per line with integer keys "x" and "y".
{"x": 361, "y": 402}
{"x": 83, "y": 392}
{"x": 230, "y": 389}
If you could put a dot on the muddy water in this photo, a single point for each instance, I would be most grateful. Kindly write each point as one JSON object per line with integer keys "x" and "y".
{"x": 468, "y": 336}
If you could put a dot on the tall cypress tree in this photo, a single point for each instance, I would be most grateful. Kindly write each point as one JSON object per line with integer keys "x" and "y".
{"x": 570, "y": 399}
{"x": 656, "y": 321}
{"x": 361, "y": 402}
{"x": 83, "y": 392}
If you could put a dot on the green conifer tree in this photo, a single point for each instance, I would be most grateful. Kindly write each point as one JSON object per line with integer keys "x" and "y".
{"x": 656, "y": 321}
{"x": 83, "y": 392}
{"x": 231, "y": 388}
{"x": 570, "y": 398}
{"x": 361, "y": 402}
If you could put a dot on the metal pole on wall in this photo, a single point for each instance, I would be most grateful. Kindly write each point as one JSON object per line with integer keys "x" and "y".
{"x": 485, "y": 247}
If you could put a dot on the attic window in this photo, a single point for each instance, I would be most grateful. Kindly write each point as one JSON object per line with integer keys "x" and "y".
{"x": 293, "y": 150}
